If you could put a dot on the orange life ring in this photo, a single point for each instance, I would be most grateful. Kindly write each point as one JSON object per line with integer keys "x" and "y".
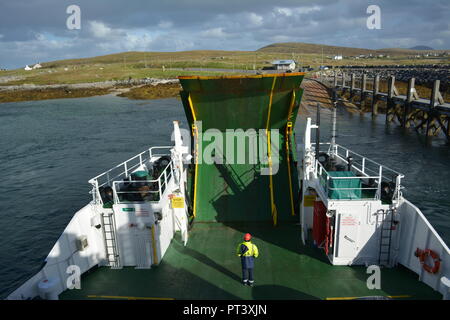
{"x": 423, "y": 254}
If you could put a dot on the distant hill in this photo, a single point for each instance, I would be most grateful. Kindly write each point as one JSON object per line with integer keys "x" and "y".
{"x": 299, "y": 47}
{"x": 421, "y": 48}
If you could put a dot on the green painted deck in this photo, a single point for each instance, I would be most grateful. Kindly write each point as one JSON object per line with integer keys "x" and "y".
{"x": 207, "y": 268}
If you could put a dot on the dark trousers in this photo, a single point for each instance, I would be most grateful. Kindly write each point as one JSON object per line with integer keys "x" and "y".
{"x": 248, "y": 271}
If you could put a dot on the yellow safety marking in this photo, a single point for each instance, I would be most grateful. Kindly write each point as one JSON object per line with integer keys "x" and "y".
{"x": 195, "y": 130}
{"x": 177, "y": 202}
{"x": 352, "y": 298}
{"x": 155, "y": 256}
{"x": 192, "y": 107}
{"x": 288, "y": 133}
{"x": 272, "y": 202}
{"x": 127, "y": 298}
{"x": 195, "y": 134}
{"x": 308, "y": 200}
{"x": 291, "y": 107}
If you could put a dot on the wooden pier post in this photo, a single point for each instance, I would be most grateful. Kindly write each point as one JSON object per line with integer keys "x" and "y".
{"x": 390, "y": 95}
{"x": 363, "y": 88}
{"x": 409, "y": 99}
{"x": 343, "y": 82}
{"x": 435, "y": 93}
{"x": 376, "y": 88}
{"x": 434, "y": 98}
{"x": 352, "y": 85}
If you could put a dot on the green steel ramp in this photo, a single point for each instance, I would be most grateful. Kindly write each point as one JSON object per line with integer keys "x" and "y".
{"x": 260, "y": 106}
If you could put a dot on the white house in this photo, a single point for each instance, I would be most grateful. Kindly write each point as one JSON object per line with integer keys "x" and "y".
{"x": 37, "y": 66}
{"x": 27, "y": 68}
{"x": 337, "y": 57}
{"x": 284, "y": 64}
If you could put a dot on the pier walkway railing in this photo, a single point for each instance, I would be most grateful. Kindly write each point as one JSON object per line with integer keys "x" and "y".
{"x": 431, "y": 113}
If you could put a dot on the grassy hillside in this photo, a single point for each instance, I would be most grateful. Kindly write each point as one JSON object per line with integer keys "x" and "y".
{"x": 299, "y": 47}
{"x": 124, "y": 65}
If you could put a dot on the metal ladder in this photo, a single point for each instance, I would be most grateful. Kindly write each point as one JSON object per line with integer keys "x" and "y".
{"x": 386, "y": 226}
{"x": 109, "y": 236}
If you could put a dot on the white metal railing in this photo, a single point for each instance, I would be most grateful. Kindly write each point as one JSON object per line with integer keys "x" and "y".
{"x": 123, "y": 170}
{"x": 364, "y": 167}
{"x": 326, "y": 181}
{"x": 153, "y": 194}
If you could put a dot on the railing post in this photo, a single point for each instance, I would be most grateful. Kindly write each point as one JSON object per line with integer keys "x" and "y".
{"x": 165, "y": 178}
{"x": 335, "y": 79}
{"x": 115, "y": 196}
{"x": 159, "y": 187}
{"x": 363, "y": 165}
{"x": 380, "y": 177}
{"x": 126, "y": 169}
{"x": 343, "y": 80}
{"x": 140, "y": 159}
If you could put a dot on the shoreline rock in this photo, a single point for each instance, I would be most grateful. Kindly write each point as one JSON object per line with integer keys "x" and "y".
{"x": 149, "y": 88}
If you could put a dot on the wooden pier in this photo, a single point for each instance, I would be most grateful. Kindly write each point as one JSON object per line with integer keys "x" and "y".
{"x": 431, "y": 114}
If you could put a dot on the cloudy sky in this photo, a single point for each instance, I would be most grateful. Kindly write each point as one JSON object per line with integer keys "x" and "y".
{"x": 32, "y": 30}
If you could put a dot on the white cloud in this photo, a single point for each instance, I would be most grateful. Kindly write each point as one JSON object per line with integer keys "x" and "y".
{"x": 100, "y": 30}
{"x": 289, "y": 12}
{"x": 165, "y": 24}
{"x": 255, "y": 19}
{"x": 284, "y": 11}
{"x": 214, "y": 33}
{"x": 306, "y": 10}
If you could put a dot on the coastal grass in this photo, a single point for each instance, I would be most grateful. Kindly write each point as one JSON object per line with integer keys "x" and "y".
{"x": 122, "y": 66}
